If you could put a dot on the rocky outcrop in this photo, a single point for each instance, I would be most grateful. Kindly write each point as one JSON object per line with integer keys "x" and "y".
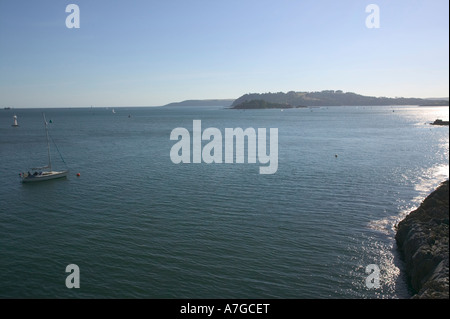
{"x": 440, "y": 122}
{"x": 423, "y": 240}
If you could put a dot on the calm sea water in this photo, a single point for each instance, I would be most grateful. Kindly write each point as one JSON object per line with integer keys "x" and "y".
{"x": 139, "y": 226}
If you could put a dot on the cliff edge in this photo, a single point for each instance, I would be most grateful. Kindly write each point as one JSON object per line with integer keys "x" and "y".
{"x": 422, "y": 238}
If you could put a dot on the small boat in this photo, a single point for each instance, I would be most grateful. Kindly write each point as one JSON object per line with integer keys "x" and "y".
{"x": 44, "y": 173}
{"x": 15, "y": 124}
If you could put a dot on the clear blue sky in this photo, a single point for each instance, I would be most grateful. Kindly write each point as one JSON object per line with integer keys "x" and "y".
{"x": 148, "y": 53}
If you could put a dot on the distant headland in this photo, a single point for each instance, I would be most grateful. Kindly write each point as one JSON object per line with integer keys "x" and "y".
{"x": 309, "y": 99}
{"x": 327, "y": 98}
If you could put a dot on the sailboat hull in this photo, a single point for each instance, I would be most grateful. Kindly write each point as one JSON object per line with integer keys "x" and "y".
{"x": 45, "y": 176}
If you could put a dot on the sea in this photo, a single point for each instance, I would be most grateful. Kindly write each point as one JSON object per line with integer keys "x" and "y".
{"x": 138, "y": 226}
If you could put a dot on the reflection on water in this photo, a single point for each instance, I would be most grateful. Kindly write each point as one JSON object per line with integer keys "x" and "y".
{"x": 389, "y": 260}
{"x": 424, "y": 181}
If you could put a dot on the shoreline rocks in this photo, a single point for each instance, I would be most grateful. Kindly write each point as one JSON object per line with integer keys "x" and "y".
{"x": 440, "y": 122}
{"x": 423, "y": 240}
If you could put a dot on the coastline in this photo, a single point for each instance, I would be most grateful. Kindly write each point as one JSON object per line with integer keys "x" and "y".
{"x": 423, "y": 240}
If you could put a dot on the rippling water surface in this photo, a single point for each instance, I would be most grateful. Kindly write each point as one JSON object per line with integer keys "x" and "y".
{"x": 139, "y": 226}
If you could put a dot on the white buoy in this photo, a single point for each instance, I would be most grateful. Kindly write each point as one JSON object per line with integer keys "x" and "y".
{"x": 15, "y": 121}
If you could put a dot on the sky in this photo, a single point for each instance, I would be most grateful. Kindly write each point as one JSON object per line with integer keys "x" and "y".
{"x": 150, "y": 53}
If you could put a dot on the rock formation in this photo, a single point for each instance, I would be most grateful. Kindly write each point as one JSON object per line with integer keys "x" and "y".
{"x": 440, "y": 122}
{"x": 423, "y": 240}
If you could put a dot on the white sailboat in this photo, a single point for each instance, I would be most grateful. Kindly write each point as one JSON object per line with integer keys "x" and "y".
{"x": 43, "y": 173}
{"x": 15, "y": 124}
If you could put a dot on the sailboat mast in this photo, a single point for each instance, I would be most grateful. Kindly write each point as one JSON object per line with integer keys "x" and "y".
{"x": 48, "y": 143}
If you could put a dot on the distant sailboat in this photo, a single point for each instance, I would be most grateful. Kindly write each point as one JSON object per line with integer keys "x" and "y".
{"x": 15, "y": 124}
{"x": 44, "y": 173}
{"x": 113, "y": 111}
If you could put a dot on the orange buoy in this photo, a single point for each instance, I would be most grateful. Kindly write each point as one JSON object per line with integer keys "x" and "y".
{"x": 78, "y": 174}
